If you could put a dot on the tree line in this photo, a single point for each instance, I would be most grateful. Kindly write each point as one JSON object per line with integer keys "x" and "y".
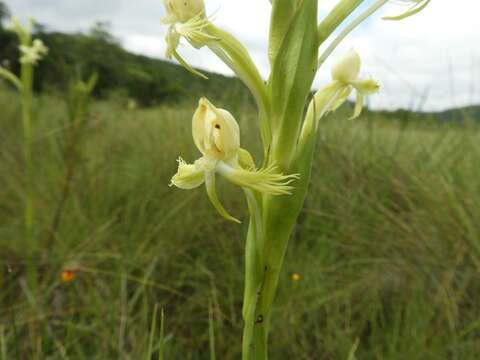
{"x": 71, "y": 56}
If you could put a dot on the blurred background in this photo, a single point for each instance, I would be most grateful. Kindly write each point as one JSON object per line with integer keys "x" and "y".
{"x": 385, "y": 262}
{"x": 428, "y": 62}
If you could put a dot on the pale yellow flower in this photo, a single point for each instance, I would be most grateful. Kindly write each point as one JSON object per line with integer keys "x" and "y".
{"x": 32, "y": 54}
{"x": 347, "y": 71}
{"x": 217, "y": 136}
{"x": 181, "y": 11}
{"x": 296, "y": 277}
{"x": 187, "y": 19}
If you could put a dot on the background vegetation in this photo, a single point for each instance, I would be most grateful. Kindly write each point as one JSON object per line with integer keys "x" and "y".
{"x": 123, "y": 75}
{"x": 386, "y": 253}
{"x": 387, "y": 246}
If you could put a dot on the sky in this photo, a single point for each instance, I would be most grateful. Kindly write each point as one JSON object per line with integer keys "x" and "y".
{"x": 428, "y": 62}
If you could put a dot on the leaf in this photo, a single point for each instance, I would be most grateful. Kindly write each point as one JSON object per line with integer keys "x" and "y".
{"x": 7, "y": 75}
{"x": 211, "y": 331}
{"x": 291, "y": 81}
{"x": 282, "y": 14}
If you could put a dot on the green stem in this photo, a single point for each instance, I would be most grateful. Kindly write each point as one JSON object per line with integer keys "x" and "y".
{"x": 279, "y": 216}
{"x": 263, "y": 314}
{"x": 253, "y": 272}
{"x": 26, "y": 97}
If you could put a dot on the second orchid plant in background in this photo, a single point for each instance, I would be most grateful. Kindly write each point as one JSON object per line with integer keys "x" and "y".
{"x": 275, "y": 186}
{"x": 31, "y": 51}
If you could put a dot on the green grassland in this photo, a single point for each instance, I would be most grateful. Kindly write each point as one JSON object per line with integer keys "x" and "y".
{"x": 387, "y": 246}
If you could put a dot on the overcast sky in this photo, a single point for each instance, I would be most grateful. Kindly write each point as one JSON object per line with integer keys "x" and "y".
{"x": 430, "y": 61}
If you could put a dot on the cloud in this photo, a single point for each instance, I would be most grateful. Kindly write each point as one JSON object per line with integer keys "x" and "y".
{"x": 429, "y": 61}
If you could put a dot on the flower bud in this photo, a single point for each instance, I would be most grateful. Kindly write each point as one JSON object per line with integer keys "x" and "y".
{"x": 183, "y": 10}
{"x": 347, "y": 68}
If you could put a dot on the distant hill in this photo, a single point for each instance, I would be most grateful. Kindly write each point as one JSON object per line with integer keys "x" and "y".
{"x": 458, "y": 114}
{"x": 149, "y": 81}
{"x": 464, "y": 113}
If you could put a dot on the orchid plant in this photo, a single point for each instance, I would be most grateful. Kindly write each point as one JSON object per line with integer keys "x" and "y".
{"x": 288, "y": 121}
{"x": 31, "y": 52}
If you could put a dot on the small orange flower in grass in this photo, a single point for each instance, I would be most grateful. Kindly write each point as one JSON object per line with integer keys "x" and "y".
{"x": 68, "y": 276}
{"x": 296, "y": 277}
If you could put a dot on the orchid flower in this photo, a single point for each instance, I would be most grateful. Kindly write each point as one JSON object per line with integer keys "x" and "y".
{"x": 188, "y": 19}
{"x": 183, "y": 10}
{"x": 217, "y": 136}
{"x": 345, "y": 78}
{"x": 32, "y": 54}
{"x": 346, "y": 73}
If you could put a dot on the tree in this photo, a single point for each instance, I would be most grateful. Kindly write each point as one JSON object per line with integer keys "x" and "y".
{"x": 101, "y": 31}
{"x": 4, "y": 13}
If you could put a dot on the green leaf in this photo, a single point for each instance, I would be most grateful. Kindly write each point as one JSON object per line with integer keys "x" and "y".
{"x": 211, "y": 331}
{"x": 12, "y": 78}
{"x": 292, "y": 76}
{"x": 283, "y": 12}
{"x": 161, "y": 350}
{"x": 151, "y": 335}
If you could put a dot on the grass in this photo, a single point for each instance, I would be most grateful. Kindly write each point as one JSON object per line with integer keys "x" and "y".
{"x": 387, "y": 247}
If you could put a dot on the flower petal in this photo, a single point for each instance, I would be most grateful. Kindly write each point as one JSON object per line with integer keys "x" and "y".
{"x": 358, "y": 105}
{"x": 245, "y": 159}
{"x": 187, "y": 66}
{"x": 366, "y": 87}
{"x": 266, "y": 180}
{"x": 172, "y": 39}
{"x": 183, "y": 10}
{"x": 215, "y": 131}
{"x": 347, "y": 68}
{"x": 342, "y": 97}
{"x": 212, "y": 195}
{"x": 188, "y": 176}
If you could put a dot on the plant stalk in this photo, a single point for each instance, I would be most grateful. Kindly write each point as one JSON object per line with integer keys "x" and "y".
{"x": 26, "y": 101}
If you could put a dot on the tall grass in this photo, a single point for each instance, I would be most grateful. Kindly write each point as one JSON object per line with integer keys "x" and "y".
{"x": 387, "y": 249}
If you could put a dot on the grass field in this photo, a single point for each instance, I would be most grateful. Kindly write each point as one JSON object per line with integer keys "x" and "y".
{"x": 387, "y": 248}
